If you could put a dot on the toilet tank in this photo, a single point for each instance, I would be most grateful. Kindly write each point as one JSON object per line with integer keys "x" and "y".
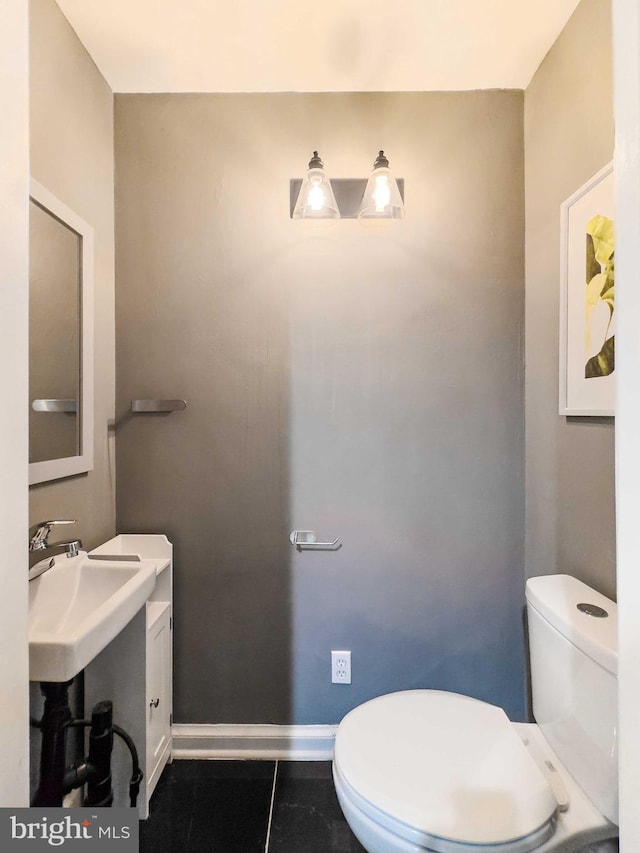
{"x": 574, "y": 664}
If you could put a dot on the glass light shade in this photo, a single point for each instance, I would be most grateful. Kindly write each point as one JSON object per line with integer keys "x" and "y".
{"x": 316, "y": 199}
{"x": 381, "y": 199}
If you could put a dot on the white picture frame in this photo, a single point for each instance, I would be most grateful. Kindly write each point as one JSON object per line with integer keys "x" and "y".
{"x": 587, "y": 315}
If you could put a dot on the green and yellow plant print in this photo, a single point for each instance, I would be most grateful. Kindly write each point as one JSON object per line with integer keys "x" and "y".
{"x": 600, "y": 289}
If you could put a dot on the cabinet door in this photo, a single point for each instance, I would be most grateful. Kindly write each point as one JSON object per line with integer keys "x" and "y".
{"x": 158, "y": 691}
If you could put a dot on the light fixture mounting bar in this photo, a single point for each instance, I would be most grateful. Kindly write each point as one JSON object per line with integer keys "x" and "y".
{"x": 348, "y": 193}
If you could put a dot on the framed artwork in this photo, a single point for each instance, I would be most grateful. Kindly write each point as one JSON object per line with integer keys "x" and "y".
{"x": 587, "y": 298}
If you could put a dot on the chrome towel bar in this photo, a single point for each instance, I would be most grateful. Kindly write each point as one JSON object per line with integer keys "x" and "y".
{"x": 158, "y": 405}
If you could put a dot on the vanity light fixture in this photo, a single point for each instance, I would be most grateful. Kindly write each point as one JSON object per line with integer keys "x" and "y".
{"x": 316, "y": 199}
{"x": 382, "y": 198}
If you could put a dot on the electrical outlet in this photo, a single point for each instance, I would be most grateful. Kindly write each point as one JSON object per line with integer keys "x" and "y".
{"x": 341, "y": 667}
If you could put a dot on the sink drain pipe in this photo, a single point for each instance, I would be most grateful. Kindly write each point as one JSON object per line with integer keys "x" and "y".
{"x": 94, "y": 771}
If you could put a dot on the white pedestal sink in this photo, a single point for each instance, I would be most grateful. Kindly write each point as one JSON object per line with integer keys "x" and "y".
{"x": 78, "y": 606}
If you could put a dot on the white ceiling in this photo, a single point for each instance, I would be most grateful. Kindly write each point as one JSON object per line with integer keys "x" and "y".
{"x": 304, "y": 46}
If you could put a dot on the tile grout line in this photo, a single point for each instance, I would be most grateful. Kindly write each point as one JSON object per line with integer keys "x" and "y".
{"x": 273, "y": 797}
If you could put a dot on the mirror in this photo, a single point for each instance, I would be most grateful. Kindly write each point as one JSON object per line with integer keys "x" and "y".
{"x": 60, "y": 339}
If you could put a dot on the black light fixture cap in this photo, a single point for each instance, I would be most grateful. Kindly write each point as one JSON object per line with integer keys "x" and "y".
{"x": 316, "y": 162}
{"x": 381, "y": 161}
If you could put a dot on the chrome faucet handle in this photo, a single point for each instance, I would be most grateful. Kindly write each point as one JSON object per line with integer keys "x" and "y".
{"x": 39, "y": 533}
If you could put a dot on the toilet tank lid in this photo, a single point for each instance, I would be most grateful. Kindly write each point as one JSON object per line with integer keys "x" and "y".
{"x": 556, "y": 598}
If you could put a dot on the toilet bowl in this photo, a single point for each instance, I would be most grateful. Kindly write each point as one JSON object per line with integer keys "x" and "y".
{"x": 426, "y": 770}
{"x": 429, "y": 770}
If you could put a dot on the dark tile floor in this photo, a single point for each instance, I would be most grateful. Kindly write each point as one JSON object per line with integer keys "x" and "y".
{"x": 246, "y": 807}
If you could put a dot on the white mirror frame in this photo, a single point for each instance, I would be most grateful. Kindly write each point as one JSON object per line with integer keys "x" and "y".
{"x": 54, "y": 469}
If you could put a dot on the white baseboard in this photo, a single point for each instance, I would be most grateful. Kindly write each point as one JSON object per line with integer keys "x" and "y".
{"x": 293, "y": 743}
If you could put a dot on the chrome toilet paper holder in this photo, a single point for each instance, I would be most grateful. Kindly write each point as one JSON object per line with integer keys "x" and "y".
{"x": 308, "y": 540}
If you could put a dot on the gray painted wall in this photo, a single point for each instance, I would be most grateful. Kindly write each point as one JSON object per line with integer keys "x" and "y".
{"x": 365, "y": 382}
{"x": 71, "y": 139}
{"x": 569, "y": 461}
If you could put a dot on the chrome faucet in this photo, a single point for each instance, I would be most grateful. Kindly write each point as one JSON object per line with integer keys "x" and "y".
{"x": 39, "y": 547}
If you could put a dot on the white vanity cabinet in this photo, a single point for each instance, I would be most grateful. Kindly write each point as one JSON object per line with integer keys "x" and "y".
{"x": 135, "y": 671}
{"x": 158, "y": 693}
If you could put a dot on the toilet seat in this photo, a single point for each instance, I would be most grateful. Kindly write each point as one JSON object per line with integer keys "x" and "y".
{"x": 443, "y": 771}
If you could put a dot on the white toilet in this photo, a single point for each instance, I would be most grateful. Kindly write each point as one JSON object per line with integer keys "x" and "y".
{"x": 427, "y": 770}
